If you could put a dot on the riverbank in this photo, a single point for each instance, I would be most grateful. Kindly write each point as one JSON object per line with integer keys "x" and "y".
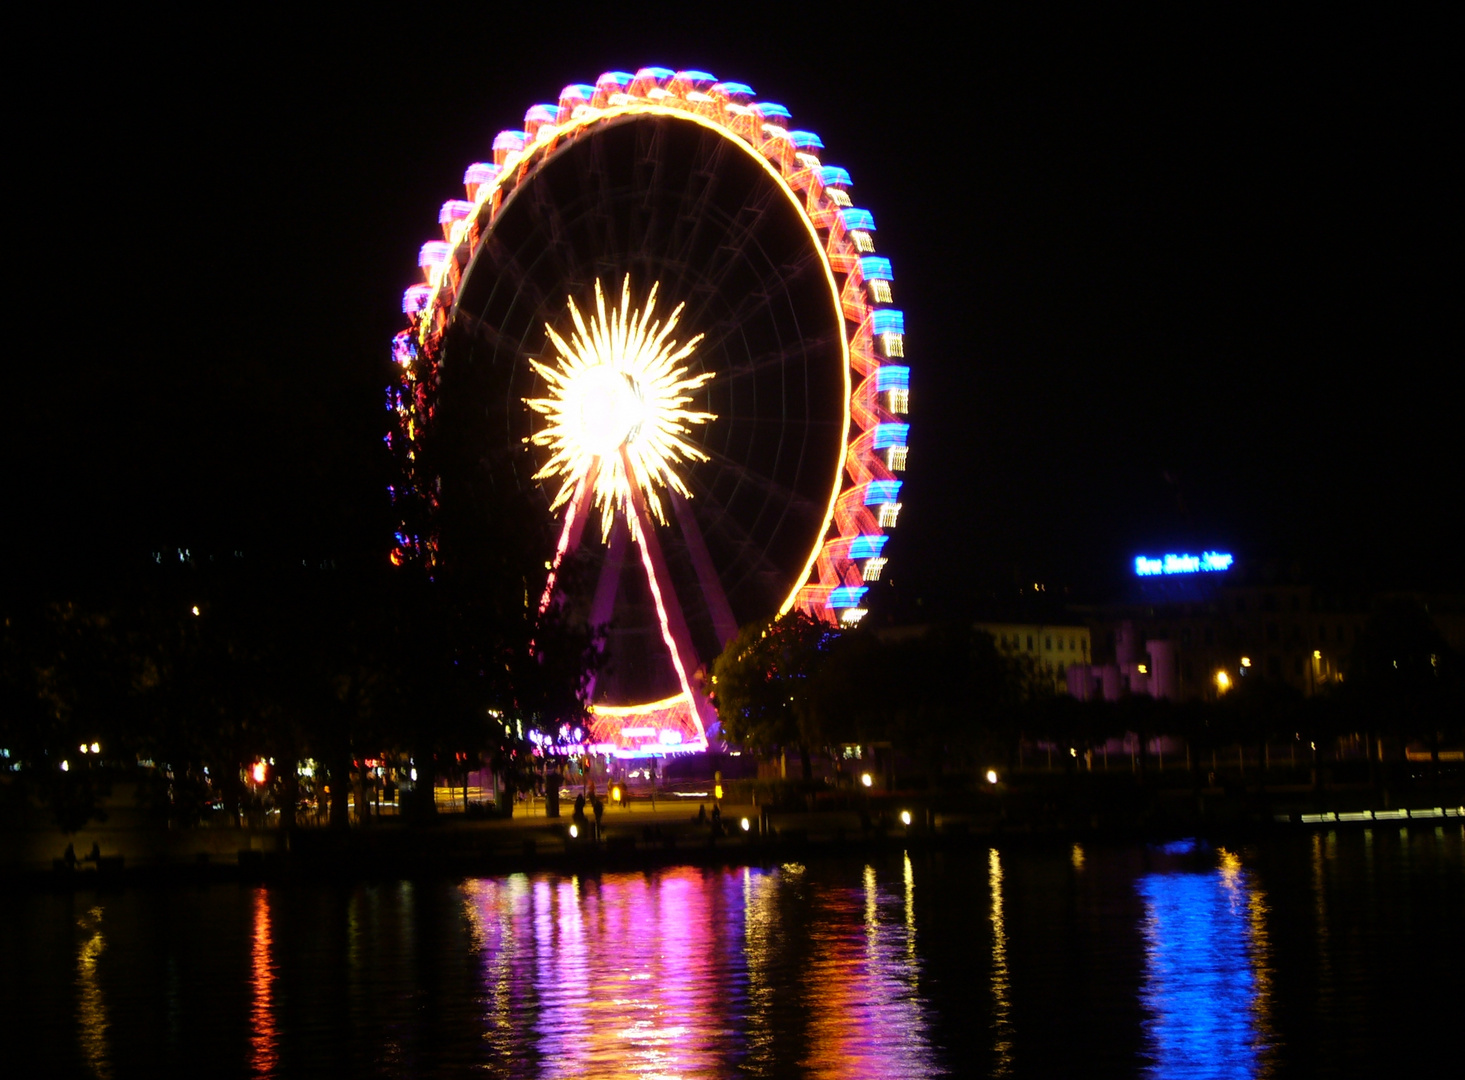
{"x": 647, "y": 835}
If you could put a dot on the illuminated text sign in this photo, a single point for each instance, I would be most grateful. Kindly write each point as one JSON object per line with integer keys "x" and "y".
{"x": 1205, "y": 562}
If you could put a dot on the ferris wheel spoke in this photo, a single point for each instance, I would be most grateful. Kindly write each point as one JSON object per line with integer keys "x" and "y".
{"x": 554, "y": 236}
{"x": 769, "y": 492}
{"x": 696, "y": 208}
{"x": 484, "y": 332}
{"x": 773, "y": 358}
{"x": 736, "y": 251}
{"x": 773, "y": 287}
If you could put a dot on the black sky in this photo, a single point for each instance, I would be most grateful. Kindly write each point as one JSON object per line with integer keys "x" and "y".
{"x": 1172, "y": 281}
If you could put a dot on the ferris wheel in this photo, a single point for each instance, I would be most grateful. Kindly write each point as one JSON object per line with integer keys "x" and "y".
{"x": 664, "y": 321}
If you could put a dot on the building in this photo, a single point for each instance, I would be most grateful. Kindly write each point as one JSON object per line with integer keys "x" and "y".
{"x": 1195, "y": 637}
{"x": 1053, "y": 647}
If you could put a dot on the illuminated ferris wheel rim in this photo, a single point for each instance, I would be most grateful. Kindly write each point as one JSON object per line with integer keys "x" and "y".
{"x": 872, "y": 332}
{"x": 551, "y": 142}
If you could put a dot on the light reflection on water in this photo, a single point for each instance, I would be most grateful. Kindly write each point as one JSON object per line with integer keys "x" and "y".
{"x": 264, "y": 1036}
{"x": 680, "y": 973}
{"x": 1208, "y": 977}
{"x": 1090, "y": 960}
{"x": 91, "y": 1003}
{"x": 1001, "y": 990}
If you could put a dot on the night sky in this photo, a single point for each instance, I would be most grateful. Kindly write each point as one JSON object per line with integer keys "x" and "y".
{"x": 1167, "y": 283}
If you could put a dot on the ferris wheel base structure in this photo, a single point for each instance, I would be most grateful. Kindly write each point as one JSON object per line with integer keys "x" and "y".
{"x": 739, "y": 473}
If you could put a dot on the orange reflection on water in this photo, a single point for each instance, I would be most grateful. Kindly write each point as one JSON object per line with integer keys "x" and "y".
{"x": 264, "y": 1036}
{"x": 1001, "y": 978}
{"x": 91, "y": 1007}
{"x": 866, "y": 1014}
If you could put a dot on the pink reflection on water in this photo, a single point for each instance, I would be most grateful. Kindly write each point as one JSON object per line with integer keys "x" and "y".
{"x": 679, "y": 973}
{"x": 264, "y": 1035}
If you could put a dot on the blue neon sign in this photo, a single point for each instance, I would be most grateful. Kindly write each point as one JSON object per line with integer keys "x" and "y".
{"x": 1207, "y": 562}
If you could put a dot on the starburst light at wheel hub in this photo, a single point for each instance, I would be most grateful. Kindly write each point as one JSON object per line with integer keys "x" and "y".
{"x": 616, "y": 408}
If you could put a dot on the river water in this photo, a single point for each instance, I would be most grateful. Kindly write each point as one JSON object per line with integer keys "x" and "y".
{"x": 1322, "y": 953}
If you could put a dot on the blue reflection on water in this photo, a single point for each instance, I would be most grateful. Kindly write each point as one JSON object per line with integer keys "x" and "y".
{"x": 1205, "y": 973}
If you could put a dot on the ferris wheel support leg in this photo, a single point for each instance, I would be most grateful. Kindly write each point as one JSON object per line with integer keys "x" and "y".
{"x": 723, "y": 623}
{"x": 608, "y": 584}
{"x": 575, "y": 518}
{"x": 674, "y": 629}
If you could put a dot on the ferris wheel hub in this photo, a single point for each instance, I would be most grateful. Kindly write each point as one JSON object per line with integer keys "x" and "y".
{"x": 611, "y": 409}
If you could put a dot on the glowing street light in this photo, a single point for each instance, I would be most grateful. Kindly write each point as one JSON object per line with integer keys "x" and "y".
{"x": 867, "y": 779}
{"x": 905, "y": 817}
{"x": 991, "y": 776}
{"x": 1223, "y": 682}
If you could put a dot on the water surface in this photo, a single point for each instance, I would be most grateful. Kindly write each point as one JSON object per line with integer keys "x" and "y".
{"x": 1328, "y": 953}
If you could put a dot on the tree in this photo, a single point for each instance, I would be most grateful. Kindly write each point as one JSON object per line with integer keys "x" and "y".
{"x": 1403, "y": 679}
{"x": 762, "y": 686}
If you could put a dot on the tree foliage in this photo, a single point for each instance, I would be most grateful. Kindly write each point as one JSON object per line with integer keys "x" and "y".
{"x": 202, "y": 674}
